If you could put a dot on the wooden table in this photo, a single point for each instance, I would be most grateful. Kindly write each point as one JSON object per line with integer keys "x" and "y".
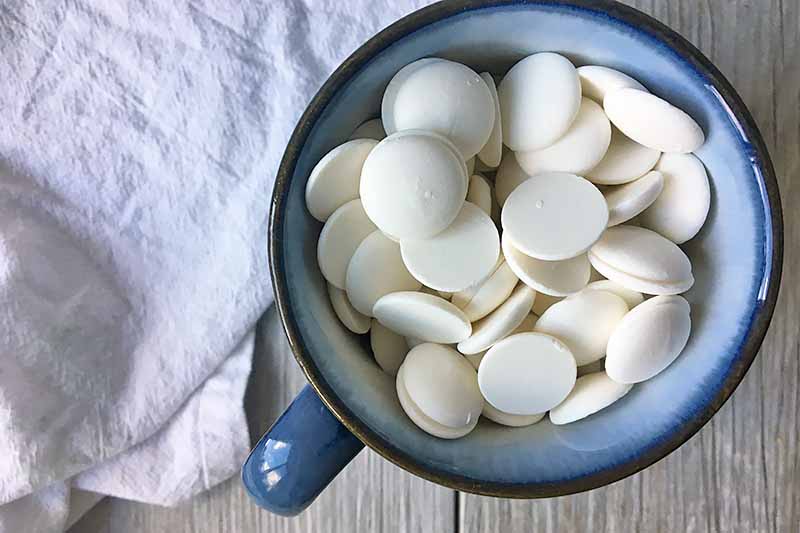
{"x": 740, "y": 473}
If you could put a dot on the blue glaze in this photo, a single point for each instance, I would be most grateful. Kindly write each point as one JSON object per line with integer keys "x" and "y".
{"x": 736, "y": 258}
{"x": 298, "y": 456}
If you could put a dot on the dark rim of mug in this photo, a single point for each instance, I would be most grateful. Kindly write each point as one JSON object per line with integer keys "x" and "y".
{"x": 748, "y": 350}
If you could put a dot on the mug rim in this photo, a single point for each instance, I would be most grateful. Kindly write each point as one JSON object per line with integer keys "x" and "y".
{"x": 748, "y": 349}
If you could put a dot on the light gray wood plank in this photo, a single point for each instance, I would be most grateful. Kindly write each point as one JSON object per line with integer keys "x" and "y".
{"x": 370, "y": 495}
{"x": 742, "y": 471}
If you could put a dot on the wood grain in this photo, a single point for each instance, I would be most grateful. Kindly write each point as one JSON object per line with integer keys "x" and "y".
{"x": 740, "y": 473}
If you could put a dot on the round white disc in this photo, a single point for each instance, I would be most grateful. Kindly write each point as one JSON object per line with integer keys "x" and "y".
{"x": 527, "y": 374}
{"x": 682, "y": 207}
{"x": 539, "y": 98}
{"x": 631, "y": 298}
{"x": 480, "y": 193}
{"x": 440, "y": 96}
{"x": 352, "y": 319}
{"x": 334, "y": 181}
{"x": 579, "y": 150}
{"x": 423, "y": 316}
{"x": 584, "y": 322}
{"x": 628, "y": 200}
{"x": 450, "y": 146}
{"x": 388, "y": 347}
{"x": 413, "y": 185}
{"x": 460, "y": 256}
{"x": 504, "y": 419}
{"x": 554, "y": 216}
{"x": 597, "y": 81}
{"x": 526, "y": 326}
{"x": 592, "y": 393}
{"x": 491, "y": 293}
{"x": 509, "y": 176}
{"x": 625, "y": 161}
{"x": 648, "y": 339}
{"x": 644, "y": 286}
{"x": 423, "y": 421}
{"x": 342, "y": 233}
{"x": 553, "y": 278}
{"x": 376, "y": 269}
{"x": 500, "y": 322}
{"x": 443, "y": 385}
{"x": 653, "y": 122}
{"x": 642, "y": 260}
{"x": 463, "y": 297}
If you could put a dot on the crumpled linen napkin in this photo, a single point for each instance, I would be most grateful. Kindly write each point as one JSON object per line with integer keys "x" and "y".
{"x": 138, "y": 144}
{"x": 203, "y": 443}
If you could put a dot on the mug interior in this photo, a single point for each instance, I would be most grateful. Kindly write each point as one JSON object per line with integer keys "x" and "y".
{"x": 732, "y": 260}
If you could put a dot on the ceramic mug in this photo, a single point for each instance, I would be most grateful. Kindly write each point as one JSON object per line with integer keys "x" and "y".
{"x": 736, "y": 259}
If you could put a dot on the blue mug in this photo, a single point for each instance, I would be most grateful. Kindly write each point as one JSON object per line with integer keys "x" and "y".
{"x": 351, "y": 402}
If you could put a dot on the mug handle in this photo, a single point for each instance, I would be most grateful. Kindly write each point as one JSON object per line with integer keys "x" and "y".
{"x": 298, "y": 456}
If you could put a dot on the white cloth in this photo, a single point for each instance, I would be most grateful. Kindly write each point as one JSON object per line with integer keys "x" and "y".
{"x": 138, "y": 144}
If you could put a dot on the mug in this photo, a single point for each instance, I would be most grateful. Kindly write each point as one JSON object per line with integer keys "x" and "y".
{"x": 350, "y": 401}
